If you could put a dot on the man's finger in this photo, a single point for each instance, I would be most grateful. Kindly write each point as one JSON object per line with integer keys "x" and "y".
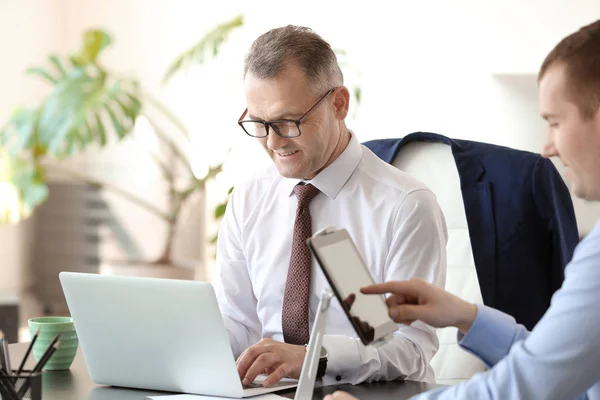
{"x": 281, "y": 372}
{"x": 395, "y": 300}
{"x": 409, "y": 288}
{"x": 237, "y": 364}
{"x": 262, "y": 362}
{"x": 339, "y": 395}
{"x": 248, "y": 358}
{"x": 348, "y": 301}
{"x": 406, "y": 313}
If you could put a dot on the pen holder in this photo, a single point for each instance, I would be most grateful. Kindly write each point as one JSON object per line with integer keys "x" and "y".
{"x": 33, "y": 381}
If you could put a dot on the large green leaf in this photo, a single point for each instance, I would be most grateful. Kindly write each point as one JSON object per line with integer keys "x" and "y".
{"x": 42, "y": 73}
{"x": 206, "y": 47}
{"x": 99, "y": 130}
{"x": 47, "y": 75}
{"x": 19, "y": 132}
{"x": 78, "y": 98}
{"x": 94, "y": 42}
{"x": 220, "y": 210}
{"x": 24, "y": 179}
{"x": 83, "y": 100}
{"x": 58, "y": 65}
{"x": 85, "y": 106}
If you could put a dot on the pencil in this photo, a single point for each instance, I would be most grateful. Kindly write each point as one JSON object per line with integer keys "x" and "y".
{"x": 5, "y": 392}
{"x": 38, "y": 367}
{"x": 51, "y": 348}
{"x": 33, "y": 339}
{"x": 43, "y": 360}
{"x": 7, "y": 389}
{"x": 5, "y": 356}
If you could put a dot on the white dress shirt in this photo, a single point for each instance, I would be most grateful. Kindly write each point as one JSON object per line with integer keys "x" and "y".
{"x": 397, "y": 226}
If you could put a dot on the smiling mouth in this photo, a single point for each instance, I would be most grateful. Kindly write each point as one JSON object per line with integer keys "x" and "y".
{"x": 289, "y": 153}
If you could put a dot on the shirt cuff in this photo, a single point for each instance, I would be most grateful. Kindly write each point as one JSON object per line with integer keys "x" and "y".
{"x": 343, "y": 359}
{"x": 491, "y": 335}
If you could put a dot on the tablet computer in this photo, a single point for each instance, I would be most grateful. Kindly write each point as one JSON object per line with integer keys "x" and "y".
{"x": 346, "y": 272}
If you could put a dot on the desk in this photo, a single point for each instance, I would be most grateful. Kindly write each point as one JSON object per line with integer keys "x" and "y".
{"x": 75, "y": 384}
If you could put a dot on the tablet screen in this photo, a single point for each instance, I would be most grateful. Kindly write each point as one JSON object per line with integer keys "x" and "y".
{"x": 345, "y": 268}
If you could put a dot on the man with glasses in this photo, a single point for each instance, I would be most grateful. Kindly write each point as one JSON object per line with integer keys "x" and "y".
{"x": 267, "y": 285}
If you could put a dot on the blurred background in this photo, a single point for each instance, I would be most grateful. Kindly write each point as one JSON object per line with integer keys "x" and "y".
{"x": 118, "y": 153}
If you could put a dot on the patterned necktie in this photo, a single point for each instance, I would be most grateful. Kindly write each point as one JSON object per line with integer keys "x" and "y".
{"x": 297, "y": 288}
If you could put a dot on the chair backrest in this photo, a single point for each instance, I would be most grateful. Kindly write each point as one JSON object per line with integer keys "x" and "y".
{"x": 433, "y": 164}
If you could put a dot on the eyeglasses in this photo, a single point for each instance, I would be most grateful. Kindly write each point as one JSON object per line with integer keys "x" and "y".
{"x": 286, "y": 128}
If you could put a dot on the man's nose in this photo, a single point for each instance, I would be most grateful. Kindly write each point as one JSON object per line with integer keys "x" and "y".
{"x": 549, "y": 149}
{"x": 274, "y": 141}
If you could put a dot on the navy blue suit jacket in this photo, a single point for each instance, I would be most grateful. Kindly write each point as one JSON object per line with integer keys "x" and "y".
{"x": 521, "y": 221}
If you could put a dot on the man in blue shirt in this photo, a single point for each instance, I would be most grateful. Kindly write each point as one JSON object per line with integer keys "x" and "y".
{"x": 560, "y": 358}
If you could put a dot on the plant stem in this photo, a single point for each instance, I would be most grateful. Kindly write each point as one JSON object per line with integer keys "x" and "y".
{"x": 178, "y": 200}
{"x": 165, "y": 138}
{"x": 168, "y": 113}
{"x": 117, "y": 190}
{"x": 165, "y": 257}
{"x": 174, "y": 205}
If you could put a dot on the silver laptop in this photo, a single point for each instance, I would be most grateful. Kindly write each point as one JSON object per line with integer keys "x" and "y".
{"x": 157, "y": 334}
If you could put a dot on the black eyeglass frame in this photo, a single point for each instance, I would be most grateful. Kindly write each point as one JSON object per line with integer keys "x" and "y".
{"x": 270, "y": 124}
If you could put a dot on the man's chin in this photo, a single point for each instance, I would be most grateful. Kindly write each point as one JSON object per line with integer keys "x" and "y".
{"x": 587, "y": 195}
{"x": 290, "y": 173}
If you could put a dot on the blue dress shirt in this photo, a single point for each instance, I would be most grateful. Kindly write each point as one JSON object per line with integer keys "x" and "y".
{"x": 558, "y": 359}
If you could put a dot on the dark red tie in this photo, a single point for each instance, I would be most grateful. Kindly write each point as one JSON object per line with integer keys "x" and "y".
{"x": 297, "y": 288}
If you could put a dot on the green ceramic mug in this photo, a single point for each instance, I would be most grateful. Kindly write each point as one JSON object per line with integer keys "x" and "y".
{"x": 49, "y": 327}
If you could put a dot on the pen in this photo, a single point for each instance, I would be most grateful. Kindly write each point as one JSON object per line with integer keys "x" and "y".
{"x": 38, "y": 367}
{"x": 4, "y": 353}
{"x": 33, "y": 339}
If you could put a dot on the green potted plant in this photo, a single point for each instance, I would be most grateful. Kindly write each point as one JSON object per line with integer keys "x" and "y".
{"x": 90, "y": 105}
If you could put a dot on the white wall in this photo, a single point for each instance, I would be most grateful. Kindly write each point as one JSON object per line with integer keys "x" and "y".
{"x": 29, "y": 29}
{"x": 437, "y": 65}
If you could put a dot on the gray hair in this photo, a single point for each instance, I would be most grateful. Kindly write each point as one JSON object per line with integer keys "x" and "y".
{"x": 280, "y": 48}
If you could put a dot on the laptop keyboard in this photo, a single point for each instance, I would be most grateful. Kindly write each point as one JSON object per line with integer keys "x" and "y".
{"x": 255, "y": 385}
{"x": 252, "y": 386}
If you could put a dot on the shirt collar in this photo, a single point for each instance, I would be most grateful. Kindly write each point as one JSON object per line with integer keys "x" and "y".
{"x": 333, "y": 178}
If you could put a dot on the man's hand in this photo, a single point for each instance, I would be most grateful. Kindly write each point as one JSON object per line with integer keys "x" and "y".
{"x": 418, "y": 300}
{"x": 348, "y": 301}
{"x": 339, "y": 395}
{"x": 278, "y": 360}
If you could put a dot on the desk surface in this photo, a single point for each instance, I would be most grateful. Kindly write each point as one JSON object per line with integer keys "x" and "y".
{"x": 75, "y": 384}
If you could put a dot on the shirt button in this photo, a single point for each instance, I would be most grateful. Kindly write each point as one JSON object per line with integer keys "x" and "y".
{"x": 338, "y": 378}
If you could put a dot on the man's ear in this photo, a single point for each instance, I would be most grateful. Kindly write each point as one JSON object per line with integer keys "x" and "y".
{"x": 341, "y": 102}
